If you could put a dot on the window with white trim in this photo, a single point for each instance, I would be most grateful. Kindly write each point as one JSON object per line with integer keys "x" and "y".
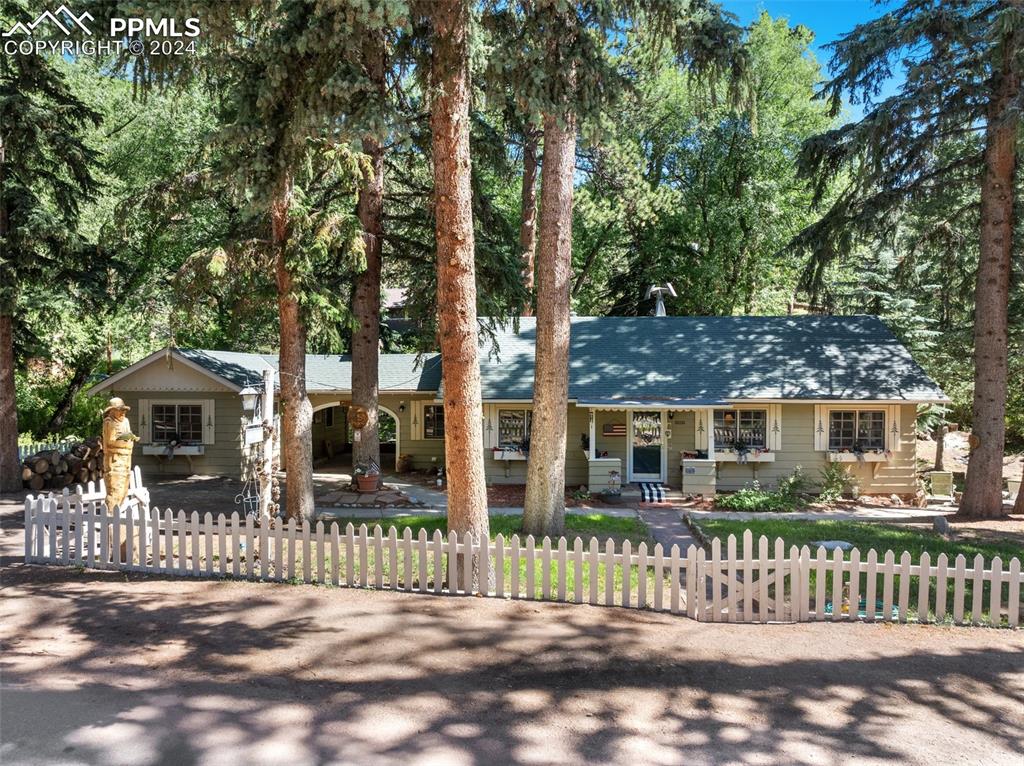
{"x": 433, "y": 421}
{"x": 856, "y": 429}
{"x": 514, "y": 429}
{"x": 748, "y": 428}
{"x": 177, "y": 423}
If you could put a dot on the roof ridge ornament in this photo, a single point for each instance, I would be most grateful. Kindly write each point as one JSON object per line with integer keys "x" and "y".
{"x": 658, "y": 292}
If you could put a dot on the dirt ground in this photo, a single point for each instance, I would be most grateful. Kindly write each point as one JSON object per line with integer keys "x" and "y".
{"x": 955, "y": 451}
{"x": 106, "y": 668}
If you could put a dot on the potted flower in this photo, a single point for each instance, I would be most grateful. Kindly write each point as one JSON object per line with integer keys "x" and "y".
{"x": 367, "y": 476}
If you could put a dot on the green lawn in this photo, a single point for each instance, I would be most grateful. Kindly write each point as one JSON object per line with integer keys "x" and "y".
{"x": 880, "y": 537}
{"x": 586, "y": 526}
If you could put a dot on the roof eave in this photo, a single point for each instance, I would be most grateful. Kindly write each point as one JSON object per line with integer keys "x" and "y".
{"x": 109, "y": 381}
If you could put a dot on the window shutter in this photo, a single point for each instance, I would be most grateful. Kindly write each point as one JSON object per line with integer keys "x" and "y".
{"x": 209, "y": 422}
{"x": 700, "y": 429}
{"x": 820, "y": 428}
{"x": 774, "y": 435}
{"x": 144, "y": 423}
{"x": 416, "y": 421}
{"x": 893, "y": 429}
{"x": 490, "y": 425}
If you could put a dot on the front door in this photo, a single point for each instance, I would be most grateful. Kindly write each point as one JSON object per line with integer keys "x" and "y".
{"x": 646, "y": 446}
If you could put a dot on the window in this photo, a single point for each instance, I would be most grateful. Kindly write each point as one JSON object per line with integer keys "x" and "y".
{"x": 514, "y": 429}
{"x": 433, "y": 421}
{"x": 177, "y": 422}
{"x": 871, "y": 429}
{"x": 741, "y": 427}
{"x": 852, "y": 429}
{"x": 329, "y": 417}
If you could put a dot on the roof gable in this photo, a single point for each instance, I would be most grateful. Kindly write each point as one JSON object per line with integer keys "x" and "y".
{"x": 167, "y": 370}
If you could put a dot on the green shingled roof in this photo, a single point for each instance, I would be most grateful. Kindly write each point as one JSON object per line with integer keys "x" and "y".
{"x": 325, "y": 372}
{"x": 657, "y": 358}
{"x": 702, "y": 358}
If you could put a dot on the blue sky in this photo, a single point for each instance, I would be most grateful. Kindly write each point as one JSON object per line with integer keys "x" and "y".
{"x": 828, "y": 19}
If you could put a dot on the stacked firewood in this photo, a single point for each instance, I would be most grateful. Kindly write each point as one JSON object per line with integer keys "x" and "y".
{"x": 53, "y": 469}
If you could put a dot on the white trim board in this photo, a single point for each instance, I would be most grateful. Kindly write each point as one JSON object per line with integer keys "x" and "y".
{"x": 158, "y": 356}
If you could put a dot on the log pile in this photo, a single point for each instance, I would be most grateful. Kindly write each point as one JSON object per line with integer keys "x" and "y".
{"x": 53, "y": 469}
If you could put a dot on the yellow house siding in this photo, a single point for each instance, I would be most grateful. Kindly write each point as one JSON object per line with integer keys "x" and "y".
{"x": 222, "y": 458}
{"x": 680, "y": 438}
{"x": 576, "y": 466}
{"x": 798, "y": 449}
{"x": 425, "y": 453}
{"x": 337, "y": 434}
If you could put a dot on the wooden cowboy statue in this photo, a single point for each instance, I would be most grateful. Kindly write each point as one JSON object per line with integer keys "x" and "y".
{"x": 118, "y": 442}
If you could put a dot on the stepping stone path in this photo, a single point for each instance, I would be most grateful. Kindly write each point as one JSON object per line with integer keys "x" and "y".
{"x": 384, "y": 498}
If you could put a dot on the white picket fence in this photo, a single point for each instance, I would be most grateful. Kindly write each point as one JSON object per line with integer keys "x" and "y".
{"x": 770, "y": 585}
{"x": 94, "y": 491}
{"x": 28, "y": 450}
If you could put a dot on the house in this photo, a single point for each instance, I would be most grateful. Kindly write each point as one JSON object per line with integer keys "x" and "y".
{"x": 697, "y": 403}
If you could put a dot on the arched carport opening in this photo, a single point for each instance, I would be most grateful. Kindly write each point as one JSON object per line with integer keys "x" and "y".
{"x": 391, "y": 431}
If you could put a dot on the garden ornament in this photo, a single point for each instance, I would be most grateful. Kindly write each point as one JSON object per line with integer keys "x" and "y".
{"x": 118, "y": 442}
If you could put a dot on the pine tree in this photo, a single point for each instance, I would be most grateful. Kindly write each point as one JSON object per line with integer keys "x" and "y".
{"x": 294, "y": 82}
{"x": 562, "y": 68}
{"x": 46, "y": 172}
{"x": 456, "y": 278}
{"x": 964, "y": 62}
{"x": 367, "y": 288}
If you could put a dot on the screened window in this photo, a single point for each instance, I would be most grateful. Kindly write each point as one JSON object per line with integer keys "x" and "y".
{"x": 514, "y": 429}
{"x": 433, "y": 421}
{"x": 746, "y": 428}
{"x": 177, "y": 422}
{"x": 850, "y": 429}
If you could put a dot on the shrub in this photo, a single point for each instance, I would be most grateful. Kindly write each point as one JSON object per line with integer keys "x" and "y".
{"x": 794, "y": 485}
{"x": 756, "y": 499}
{"x": 836, "y": 479}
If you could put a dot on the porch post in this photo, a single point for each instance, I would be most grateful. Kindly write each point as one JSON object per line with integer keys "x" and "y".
{"x": 711, "y": 434}
{"x": 593, "y": 436}
{"x": 267, "y": 469}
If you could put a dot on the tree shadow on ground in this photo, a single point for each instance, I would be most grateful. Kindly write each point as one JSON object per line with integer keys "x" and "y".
{"x": 132, "y": 669}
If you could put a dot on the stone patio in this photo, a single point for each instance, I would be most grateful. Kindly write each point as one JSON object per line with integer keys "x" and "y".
{"x": 386, "y": 497}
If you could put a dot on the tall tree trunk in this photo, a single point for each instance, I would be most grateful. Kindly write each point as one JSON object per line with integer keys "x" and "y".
{"x": 296, "y": 409}
{"x": 456, "y": 276}
{"x": 10, "y": 470}
{"x": 983, "y": 493}
{"x": 1018, "y": 505}
{"x": 528, "y": 217}
{"x": 366, "y": 295}
{"x": 544, "y": 510}
{"x": 82, "y": 370}
{"x": 940, "y": 447}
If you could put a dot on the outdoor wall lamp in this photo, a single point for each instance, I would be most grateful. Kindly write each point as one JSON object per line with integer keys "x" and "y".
{"x": 401, "y": 406}
{"x": 249, "y": 396}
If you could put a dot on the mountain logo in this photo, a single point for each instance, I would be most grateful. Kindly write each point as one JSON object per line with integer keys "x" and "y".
{"x": 55, "y": 19}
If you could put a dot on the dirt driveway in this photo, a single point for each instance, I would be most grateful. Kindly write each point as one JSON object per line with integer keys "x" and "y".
{"x": 109, "y": 669}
